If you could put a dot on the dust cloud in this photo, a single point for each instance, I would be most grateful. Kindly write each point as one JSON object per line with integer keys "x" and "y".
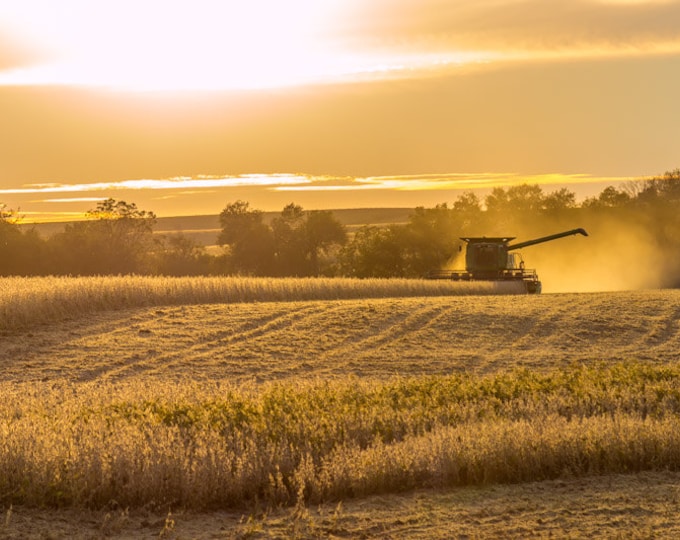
{"x": 457, "y": 260}
{"x": 615, "y": 256}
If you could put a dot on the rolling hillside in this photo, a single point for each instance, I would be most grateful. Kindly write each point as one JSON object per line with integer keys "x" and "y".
{"x": 609, "y": 360}
{"x": 377, "y": 338}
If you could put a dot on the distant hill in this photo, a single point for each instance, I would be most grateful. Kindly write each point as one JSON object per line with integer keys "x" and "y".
{"x": 204, "y": 229}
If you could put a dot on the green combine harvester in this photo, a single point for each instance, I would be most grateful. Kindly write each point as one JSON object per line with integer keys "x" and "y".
{"x": 490, "y": 259}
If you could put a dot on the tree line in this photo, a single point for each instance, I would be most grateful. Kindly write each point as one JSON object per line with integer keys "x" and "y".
{"x": 118, "y": 238}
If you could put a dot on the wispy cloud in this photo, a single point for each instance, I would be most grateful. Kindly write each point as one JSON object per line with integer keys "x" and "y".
{"x": 449, "y": 181}
{"x": 194, "y": 196}
{"x": 183, "y": 182}
{"x": 75, "y": 199}
{"x": 504, "y": 25}
{"x": 497, "y": 32}
{"x": 283, "y": 182}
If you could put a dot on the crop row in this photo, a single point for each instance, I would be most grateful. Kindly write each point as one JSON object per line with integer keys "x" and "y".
{"x": 28, "y": 301}
{"x": 222, "y": 446}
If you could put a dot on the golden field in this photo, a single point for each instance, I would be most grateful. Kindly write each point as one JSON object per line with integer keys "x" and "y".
{"x": 335, "y": 408}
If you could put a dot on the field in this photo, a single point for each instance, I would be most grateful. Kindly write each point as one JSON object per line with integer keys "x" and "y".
{"x": 139, "y": 407}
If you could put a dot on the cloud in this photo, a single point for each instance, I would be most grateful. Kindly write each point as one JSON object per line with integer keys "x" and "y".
{"x": 448, "y": 181}
{"x": 515, "y": 25}
{"x": 283, "y": 182}
{"x": 76, "y": 199}
{"x": 184, "y": 182}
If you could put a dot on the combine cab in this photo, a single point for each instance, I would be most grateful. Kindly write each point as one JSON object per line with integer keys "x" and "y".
{"x": 490, "y": 259}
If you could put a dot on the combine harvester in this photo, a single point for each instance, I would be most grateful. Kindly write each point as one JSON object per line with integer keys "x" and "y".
{"x": 490, "y": 260}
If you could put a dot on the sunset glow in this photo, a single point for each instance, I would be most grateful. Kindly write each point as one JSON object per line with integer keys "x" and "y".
{"x": 421, "y": 187}
{"x": 216, "y": 46}
{"x": 264, "y": 100}
{"x": 171, "y": 46}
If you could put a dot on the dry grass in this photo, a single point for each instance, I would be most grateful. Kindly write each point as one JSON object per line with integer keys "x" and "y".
{"x": 638, "y": 506}
{"x": 254, "y": 405}
{"x": 368, "y": 338}
{"x": 218, "y": 446}
{"x": 25, "y": 302}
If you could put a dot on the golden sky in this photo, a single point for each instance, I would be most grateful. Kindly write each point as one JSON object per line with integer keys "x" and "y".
{"x": 182, "y": 106}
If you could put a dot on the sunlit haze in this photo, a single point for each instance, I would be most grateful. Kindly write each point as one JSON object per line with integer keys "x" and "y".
{"x": 183, "y": 106}
{"x": 179, "y": 46}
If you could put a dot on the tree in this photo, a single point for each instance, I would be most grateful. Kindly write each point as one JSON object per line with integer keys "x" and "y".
{"x": 430, "y": 238}
{"x": 469, "y": 214}
{"x": 116, "y": 238}
{"x": 21, "y": 252}
{"x": 610, "y": 197}
{"x": 321, "y": 232}
{"x": 374, "y": 252}
{"x": 250, "y": 240}
{"x": 289, "y": 241}
{"x": 525, "y": 198}
{"x": 10, "y": 239}
{"x": 181, "y": 256}
{"x": 467, "y": 203}
{"x": 237, "y": 219}
{"x": 665, "y": 187}
{"x": 559, "y": 200}
{"x": 497, "y": 201}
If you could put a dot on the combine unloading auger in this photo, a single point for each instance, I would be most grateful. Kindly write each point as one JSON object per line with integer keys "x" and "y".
{"x": 490, "y": 259}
